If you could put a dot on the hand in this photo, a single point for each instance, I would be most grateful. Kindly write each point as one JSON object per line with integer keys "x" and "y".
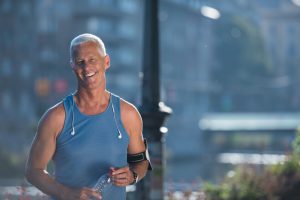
{"x": 81, "y": 194}
{"x": 122, "y": 176}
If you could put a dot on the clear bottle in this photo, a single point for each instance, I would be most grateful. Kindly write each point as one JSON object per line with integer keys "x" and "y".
{"x": 104, "y": 184}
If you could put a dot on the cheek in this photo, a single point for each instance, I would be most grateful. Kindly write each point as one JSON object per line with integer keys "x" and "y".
{"x": 77, "y": 72}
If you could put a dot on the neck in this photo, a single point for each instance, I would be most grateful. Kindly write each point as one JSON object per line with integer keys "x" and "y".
{"x": 92, "y": 101}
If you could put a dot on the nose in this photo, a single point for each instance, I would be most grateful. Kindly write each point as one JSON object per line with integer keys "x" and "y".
{"x": 85, "y": 65}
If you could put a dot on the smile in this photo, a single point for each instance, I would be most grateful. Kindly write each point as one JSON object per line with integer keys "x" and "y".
{"x": 88, "y": 75}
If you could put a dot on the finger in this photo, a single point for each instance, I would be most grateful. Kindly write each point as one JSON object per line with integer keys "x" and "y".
{"x": 127, "y": 177}
{"x": 113, "y": 168}
{"x": 120, "y": 176}
{"x": 120, "y": 170}
{"x": 121, "y": 183}
{"x": 96, "y": 195}
{"x": 122, "y": 179}
{"x": 93, "y": 193}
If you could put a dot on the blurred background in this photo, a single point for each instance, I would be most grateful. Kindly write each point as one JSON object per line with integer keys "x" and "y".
{"x": 229, "y": 70}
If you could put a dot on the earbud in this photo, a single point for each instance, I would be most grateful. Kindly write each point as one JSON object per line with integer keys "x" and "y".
{"x": 113, "y": 109}
{"x": 120, "y": 135}
{"x": 73, "y": 131}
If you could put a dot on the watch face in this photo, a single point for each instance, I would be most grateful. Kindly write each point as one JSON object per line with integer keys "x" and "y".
{"x": 135, "y": 177}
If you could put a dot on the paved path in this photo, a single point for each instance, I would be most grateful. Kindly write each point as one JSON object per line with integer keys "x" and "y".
{"x": 30, "y": 193}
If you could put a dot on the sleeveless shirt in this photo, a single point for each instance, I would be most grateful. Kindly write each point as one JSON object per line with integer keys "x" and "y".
{"x": 80, "y": 159}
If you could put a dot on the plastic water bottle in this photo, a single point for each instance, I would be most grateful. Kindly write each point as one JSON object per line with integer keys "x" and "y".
{"x": 104, "y": 184}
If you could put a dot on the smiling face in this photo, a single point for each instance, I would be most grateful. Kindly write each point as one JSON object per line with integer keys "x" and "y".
{"x": 89, "y": 64}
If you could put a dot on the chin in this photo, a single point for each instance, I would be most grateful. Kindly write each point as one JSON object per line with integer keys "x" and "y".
{"x": 91, "y": 86}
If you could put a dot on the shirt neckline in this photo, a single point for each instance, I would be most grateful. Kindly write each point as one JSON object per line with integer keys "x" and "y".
{"x": 92, "y": 115}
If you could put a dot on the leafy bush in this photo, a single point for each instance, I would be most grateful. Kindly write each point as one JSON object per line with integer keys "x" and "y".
{"x": 278, "y": 182}
{"x": 244, "y": 185}
{"x": 9, "y": 167}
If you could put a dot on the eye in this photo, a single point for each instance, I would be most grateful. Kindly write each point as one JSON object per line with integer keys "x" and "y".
{"x": 92, "y": 60}
{"x": 79, "y": 62}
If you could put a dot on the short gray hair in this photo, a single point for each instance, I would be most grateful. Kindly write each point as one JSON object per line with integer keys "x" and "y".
{"x": 83, "y": 38}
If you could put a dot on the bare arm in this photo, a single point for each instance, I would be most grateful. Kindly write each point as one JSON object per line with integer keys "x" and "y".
{"x": 133, "y": 124}
{"x": 42, "y": 150}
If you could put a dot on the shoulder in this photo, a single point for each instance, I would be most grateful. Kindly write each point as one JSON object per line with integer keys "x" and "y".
{"x": 53, "y": 119}
{"x": 129, "y": 110}
{"x": 130, "y": 116}
{"x": 54, "y": 113}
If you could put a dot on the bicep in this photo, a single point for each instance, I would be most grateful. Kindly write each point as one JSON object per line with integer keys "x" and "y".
{"x": 134, "y": 126}
{"x": 42, "y": 149}
{"x": 136, "y": 144}
{"x": 44, "y": 143}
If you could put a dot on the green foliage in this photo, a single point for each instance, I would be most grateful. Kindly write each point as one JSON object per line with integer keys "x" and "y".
{"x": 244, "y": 185}
{"x": 279, "y": 182}
{"x": 288, "y": 168}
{"x": 10, "y": 166}
{"x": 296, "y": 145}
{"x": 283, "y": 181}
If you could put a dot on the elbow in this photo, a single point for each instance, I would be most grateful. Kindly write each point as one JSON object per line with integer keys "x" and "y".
{"x": 29, "y": 174}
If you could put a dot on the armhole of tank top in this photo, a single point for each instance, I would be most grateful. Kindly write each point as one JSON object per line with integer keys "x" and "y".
{"x": 66, "y": 105}
{"x": 117, "y": 103}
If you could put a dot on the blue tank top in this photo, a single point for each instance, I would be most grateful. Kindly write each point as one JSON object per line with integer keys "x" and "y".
{"x": 80, "y": 159}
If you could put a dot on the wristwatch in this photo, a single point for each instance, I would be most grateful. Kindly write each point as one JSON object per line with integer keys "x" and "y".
{"x": 135, "y": 177}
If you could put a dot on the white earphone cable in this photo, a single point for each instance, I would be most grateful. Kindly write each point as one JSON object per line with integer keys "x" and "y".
{"x": 113, "y": 108}
{"x": 114, "y": 113}
{"x": 73, "y": 128}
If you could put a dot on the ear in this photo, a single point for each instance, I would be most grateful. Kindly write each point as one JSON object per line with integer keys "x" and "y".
{"x": 72, "y": 64}
{"x": 107, "y": 61}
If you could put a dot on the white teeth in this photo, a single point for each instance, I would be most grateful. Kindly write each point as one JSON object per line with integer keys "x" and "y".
{"x": 90, "y": 74}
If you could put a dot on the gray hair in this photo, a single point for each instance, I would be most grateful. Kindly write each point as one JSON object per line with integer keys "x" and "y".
{"x": 83, "y": 38}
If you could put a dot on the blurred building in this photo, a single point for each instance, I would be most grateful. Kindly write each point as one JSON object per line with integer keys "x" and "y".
{"x": 51, "y": 24}
{"x": 257, "y": 139}
{"x": 116, "y": 22}
{"x": 34, "y": 64}
{"x": 35, "y": 70}
{"x": 186, "y": 56}
{"x": 280, "y": 25}
{"x": 17, "y": 62}
{"x": 17, "y": 74}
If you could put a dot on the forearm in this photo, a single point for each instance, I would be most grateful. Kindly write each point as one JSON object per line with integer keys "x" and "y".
{"x": 44, "y": 182}
{"x": 140, "y": 168}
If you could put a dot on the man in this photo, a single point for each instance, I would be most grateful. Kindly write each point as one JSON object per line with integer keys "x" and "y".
{"x": 88, "y": 134}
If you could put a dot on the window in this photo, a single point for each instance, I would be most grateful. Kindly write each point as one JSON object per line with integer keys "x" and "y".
{"x": 6, "y": 68}
{"x": 128, "y": 6}
{"x": 126, "y": 56}
{"x": 6, "y": 101}
{"x": 95, "y": 25}
{"x": 128, "y": 30}
{"x": 101, "y": 3}
{"x": 25, "y": 70}
{"x": 25, "y": 8}
{"x": 6, "y": 6}
{"x": 47, "y": 55}
{"x": 94, "y": 2}
{"x": 25, "y": 105}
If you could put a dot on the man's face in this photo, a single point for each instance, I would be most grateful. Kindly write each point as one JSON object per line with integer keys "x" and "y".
{"x": 89, "y": 65}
